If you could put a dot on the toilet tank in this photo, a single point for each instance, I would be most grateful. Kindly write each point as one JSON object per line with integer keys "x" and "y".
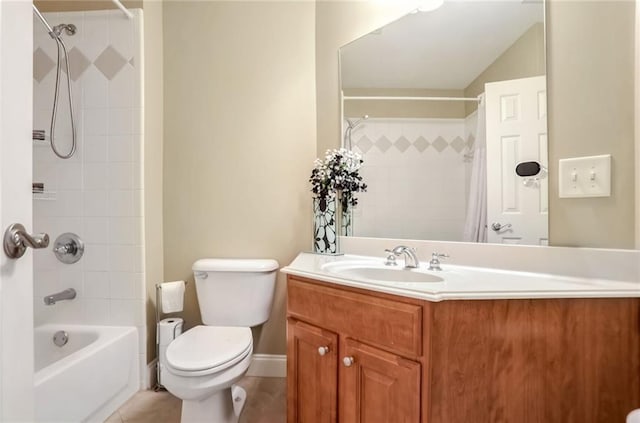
{"x": 235, "y": 292}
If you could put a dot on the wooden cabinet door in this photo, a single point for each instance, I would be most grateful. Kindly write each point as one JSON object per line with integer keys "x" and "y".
{"x": 312, "y": 374}
{"x": 378, "y": 387}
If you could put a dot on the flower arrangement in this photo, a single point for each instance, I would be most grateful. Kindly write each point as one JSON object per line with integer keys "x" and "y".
{"x": 338, "y": 176}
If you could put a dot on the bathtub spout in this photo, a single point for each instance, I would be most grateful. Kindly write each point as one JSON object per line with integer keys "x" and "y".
{"x": 67, "y": 294}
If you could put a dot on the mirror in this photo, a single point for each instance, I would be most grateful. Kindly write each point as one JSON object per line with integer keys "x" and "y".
{"x": 415, "y": 95}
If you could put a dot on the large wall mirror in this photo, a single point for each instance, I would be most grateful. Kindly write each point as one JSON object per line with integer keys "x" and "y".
{"x": 416, "y": 97}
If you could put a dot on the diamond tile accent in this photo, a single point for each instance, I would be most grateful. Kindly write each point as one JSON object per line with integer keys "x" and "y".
{"x": 364, "y": 144}
{"x": 110, "y": 62}
{"x": 383, "y": 143}
{"x": 402, "y": 144}
{"x": 470, "y": 141}
{"x": 78, "y": 63}
{"x": 457, "y": 144}
{"x": 440, "y": 144}
{"x": 42, "y": 64}
{"x": 421, "y": 144}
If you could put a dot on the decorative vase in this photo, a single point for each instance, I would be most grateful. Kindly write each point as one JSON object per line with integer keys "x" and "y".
{"x": 347, "y": 221}
{"x": 326, "y": 222}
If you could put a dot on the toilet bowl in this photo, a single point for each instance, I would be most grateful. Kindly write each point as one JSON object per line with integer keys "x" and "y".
{"x": 202, "y": 365}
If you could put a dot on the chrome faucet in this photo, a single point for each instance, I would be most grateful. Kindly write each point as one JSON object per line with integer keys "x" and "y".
{"x": 410, "y": 258}
{"x": 67, "y": 294}
{"x": 434, "y": 264}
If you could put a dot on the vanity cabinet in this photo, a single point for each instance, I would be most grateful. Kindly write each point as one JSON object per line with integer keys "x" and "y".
{"x": 495, "y": 360}
{"x": 352, "y": 357}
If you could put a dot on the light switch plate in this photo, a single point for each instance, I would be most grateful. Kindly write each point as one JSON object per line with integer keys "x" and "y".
{"x": 585, "y": 177}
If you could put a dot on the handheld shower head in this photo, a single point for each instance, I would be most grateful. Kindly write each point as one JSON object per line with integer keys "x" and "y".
{"x": 350, "y": 127}
{"x": 69, "y": 29}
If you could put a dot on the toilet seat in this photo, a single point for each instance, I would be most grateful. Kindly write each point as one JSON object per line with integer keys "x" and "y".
{"x": 208, "y": 349}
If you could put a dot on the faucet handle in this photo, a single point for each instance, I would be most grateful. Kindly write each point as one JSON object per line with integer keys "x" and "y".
{"x": 391, "y": 258}
{"x": 436, "y": 255}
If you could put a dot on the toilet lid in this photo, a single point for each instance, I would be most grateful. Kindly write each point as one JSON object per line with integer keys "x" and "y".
{"x": 209, "y": 347}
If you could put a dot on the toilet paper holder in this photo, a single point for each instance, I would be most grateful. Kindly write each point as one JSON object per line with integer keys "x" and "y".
{"x": 159, "y": 314}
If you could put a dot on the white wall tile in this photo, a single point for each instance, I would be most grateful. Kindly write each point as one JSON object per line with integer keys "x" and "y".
{"x": 96, "y": 176}
{"x": 96, "y": 89}
{"x": 96, "y": 230}
{"x": 124, "y": 285}
{"x": 95, "y": 149}
{"x": 67, "y": 204}
{"x": 95, "y": 38}
{"x": 71, "y": 279}
{"x": 120, "y": 121}
{"x": 120, "y": 176}
{"x": 121, "y": 148}
{"x": 96, "y": 257}
{"x": 126, "y": 312}
{"x": 96, "y": 203}
{"x": 121, "y": 88}
{"x": 96, "y": 311}
{"x": 121, "y": 258}
{"x": 121, "y": 36}
{"x": 121, "y": 203}
{"x": 69, "y": 176}
{"x": 99, "y": 190}
{"x": 96, "y": 285}
{"x": 123, "y": 231}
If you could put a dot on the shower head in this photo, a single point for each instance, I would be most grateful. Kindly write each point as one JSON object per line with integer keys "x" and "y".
{"x": 357, "y": 122}
{"x": 69, "y": 29}
{"x": 56, "y": 31}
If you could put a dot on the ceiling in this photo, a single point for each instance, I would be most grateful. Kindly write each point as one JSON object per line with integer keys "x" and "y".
{"x": 443, "y": 49}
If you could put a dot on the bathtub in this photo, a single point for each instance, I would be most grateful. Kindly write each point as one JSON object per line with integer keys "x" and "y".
{"x": 88, "y": 378}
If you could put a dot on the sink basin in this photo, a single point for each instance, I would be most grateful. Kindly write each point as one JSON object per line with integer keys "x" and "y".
{"x": 373, "y": 272}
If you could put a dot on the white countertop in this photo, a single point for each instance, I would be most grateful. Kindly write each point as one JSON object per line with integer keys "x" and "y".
{"x": 464, "y": 282}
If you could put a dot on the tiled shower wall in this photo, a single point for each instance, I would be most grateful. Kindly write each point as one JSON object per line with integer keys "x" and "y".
{"x": 98, "y": 193}
{"x": 417, "y": 176}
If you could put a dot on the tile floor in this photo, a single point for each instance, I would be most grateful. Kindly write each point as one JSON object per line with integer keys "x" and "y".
{"x": 266, "y": 403}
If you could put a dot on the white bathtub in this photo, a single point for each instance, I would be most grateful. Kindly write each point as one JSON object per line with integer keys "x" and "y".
{"x": 88, "y": 378}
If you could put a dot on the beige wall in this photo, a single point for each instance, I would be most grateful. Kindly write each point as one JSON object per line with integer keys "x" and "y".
{"x": 153, "y": 131}
{"x": 402, "y": 108}
{"x": 525, "y": 58}
{"x": 239, "y": 138}
{"x": 591, "y": 111}
{"x": 337, "y": 23}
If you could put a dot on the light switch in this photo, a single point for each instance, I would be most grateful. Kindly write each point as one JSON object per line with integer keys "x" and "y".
{"x": 585, "y": 177}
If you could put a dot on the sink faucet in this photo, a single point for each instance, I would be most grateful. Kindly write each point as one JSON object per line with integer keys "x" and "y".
{"x": 434, "y": 264}
{"x": 410, "y": 257}
{"x": 67, "y": 294}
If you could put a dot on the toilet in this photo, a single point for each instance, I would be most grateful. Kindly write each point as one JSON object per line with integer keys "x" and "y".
{"x": 202, "y": 365}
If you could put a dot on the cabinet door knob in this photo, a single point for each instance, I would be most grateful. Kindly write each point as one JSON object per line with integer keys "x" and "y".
{"x": 323, "y": 350}
{"x": 348, "y": 361}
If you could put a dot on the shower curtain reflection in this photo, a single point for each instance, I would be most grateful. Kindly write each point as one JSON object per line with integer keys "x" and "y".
{"x": 475, "y": 227}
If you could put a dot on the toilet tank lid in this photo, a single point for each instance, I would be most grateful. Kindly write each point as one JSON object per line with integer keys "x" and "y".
{"x": 235, "y": 265}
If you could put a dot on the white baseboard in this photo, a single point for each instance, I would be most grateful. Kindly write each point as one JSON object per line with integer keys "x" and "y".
{"x": 268, "y": 365}
{"x": 151, "y": 375}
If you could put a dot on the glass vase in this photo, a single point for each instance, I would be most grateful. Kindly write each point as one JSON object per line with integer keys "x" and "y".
{"x": 326, "y": 225}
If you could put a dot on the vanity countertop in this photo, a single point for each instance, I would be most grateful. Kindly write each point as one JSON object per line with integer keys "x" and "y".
{"x": 459, "y": 282}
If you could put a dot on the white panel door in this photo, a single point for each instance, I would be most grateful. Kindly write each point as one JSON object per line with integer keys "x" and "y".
{"x": 516, "y": 132}
{"x": 16, "y": 276}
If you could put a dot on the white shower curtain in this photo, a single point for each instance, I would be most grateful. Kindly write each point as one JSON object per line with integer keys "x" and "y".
{"x": 475, "y": 226}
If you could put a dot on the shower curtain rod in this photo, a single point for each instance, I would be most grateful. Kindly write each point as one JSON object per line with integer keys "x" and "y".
{"x": 124, "y": 9}
{"x": 412, "y": 98}
{"x": 116, "y": 2}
